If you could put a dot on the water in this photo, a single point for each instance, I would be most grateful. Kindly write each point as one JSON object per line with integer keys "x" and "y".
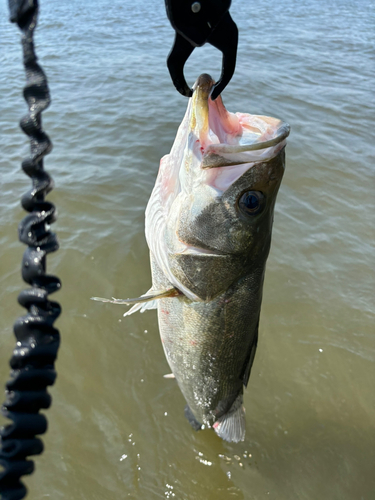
{"x": 116, "y": 427}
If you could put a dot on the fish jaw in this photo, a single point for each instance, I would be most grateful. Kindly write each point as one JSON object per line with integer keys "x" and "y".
{"x": 199, "y": 122}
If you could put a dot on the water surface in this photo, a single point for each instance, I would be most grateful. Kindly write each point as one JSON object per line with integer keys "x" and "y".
{"x": 116, "y": 427}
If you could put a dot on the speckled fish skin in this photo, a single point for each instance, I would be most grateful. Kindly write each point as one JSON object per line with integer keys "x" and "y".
{"x": 210, "y": 338}
{"x": 208, "y": 344}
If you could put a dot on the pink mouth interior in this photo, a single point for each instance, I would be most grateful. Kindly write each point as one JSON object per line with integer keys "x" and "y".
{"x": 224, "y": 124}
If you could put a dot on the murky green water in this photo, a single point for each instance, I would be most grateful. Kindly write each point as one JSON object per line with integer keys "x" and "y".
{"x": 116, "y": 427}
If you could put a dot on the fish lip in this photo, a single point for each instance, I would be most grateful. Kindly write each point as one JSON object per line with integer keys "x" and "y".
{"x": 191, "y": 250}
{"x": 281, "y": 133}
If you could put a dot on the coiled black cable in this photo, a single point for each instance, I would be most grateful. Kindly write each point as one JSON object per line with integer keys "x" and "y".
{"x": 32, "y": 363}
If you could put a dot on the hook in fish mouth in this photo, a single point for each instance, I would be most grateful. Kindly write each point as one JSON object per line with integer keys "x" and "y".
{"x": 254, "y": 134}
{"x": 215, "y": 27}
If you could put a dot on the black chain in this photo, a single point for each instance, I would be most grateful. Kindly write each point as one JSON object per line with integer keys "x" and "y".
{"x": 32, "y": 363}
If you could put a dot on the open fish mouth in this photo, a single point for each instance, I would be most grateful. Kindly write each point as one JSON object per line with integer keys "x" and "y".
{"x": 222, "y": 155}
{"x": 228, "y": 139}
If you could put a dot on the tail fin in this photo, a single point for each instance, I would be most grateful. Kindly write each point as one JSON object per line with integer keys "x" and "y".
{"x": 232, "y": 425}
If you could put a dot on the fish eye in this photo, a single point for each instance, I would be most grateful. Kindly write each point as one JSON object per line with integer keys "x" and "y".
{"x": 251, "y": 202}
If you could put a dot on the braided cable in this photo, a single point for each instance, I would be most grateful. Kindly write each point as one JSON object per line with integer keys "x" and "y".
{"x": 32, "y": 362}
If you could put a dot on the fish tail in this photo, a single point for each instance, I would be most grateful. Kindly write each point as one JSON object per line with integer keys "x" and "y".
{"x": 232, "y": 425}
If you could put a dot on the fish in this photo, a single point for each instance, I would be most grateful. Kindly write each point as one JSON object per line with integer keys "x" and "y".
{"x": 208, "y": 227}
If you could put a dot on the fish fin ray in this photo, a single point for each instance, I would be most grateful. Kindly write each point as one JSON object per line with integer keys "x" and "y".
{"x": 232, "y": 425}
{"x": 142, "y": 307}
{"x": 150, "y": 299}
{"x": 149, "y": 296}
{"x": 144, "y": 302}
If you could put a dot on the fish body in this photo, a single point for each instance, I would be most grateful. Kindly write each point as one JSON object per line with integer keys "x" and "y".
{"x": 208, "y": 227}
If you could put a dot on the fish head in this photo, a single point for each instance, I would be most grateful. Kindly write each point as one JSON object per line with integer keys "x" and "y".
{"x": 227, "y": 172}
{"x": 233, "y": 221}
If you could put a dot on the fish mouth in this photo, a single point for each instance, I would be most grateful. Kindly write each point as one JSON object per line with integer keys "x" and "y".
{"x": 230, "y": 139}
{"x": 222, "y": 155}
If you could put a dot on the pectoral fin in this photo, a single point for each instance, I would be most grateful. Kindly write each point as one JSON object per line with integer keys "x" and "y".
{"x": 147, "y": 297}
{"x": 144, "y": 302}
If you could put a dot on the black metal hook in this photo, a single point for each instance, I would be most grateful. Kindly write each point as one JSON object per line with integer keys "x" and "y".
{"x": 197, "y": 23}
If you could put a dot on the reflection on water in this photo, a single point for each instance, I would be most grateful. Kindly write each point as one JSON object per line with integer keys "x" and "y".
{"x": 117, "y": 428}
